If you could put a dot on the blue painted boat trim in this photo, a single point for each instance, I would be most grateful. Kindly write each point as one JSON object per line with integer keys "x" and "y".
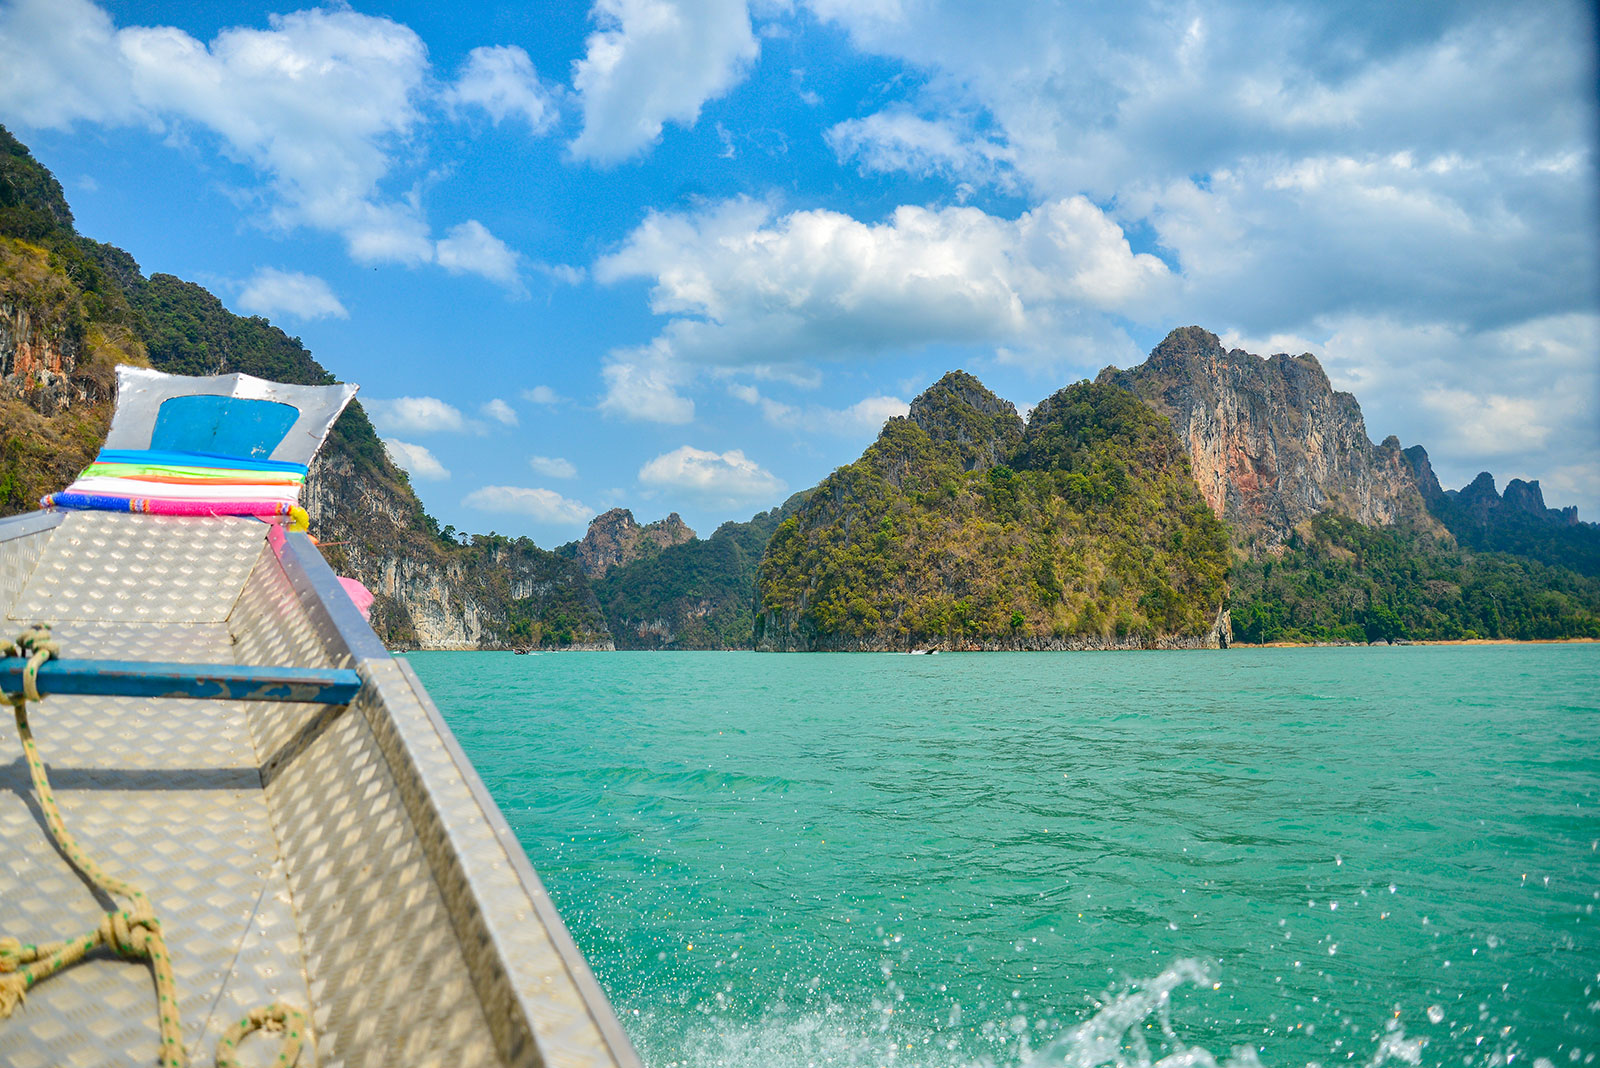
{"x": 169, "y": 458}
{"x": 216, "y": 682}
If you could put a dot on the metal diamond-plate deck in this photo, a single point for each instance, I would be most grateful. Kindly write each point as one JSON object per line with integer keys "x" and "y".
{"x": 17, "y": 559}
{"x": 167, "y": 794}
{"x": 184, "y": 643}
{"x": 377, "y": 938}
{"x": 270, "y": 627}
{"x": 345, "y": 859}
{"x": 512, "y": 940}
{"x": 138, "y": 568}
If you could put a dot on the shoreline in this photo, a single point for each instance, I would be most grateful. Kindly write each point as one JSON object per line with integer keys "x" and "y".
{"x": 1102, "y": 649}
{"x": 1419, "y": 641}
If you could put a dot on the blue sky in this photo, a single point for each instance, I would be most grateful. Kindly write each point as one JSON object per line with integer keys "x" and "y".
{"x": 688, "y": 256}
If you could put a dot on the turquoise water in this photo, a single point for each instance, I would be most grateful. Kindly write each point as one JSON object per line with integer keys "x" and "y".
{"x": 1291, "y": 856}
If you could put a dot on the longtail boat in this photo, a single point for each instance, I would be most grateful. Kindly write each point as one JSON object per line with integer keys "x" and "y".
{"x": 235, "y": 810}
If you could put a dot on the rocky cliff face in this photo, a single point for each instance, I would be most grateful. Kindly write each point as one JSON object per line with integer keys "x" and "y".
{"x": 696, "y": 595}
{"x": 61, "y": 336}
{"x": 615, "y": 539}
{"x": 1270, "y": 441}
{"x": 37, "y": 359}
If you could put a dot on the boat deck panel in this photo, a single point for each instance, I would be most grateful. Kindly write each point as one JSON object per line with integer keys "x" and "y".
{"x": 344, "y": 858}
{"x": 167, "y": 569}
{"x": 389, "y": 982}
{"x": 169, "y": 798}
{"x": 19, "y": 555}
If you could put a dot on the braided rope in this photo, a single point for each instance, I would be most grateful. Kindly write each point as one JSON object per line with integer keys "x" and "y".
{"x": 135, "y": 933}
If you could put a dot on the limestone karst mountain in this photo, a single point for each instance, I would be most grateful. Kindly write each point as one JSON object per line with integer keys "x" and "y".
{"x": 961, "y": 527}
{"x": 1270, "y": 441}
{"x": 615, "y": 539}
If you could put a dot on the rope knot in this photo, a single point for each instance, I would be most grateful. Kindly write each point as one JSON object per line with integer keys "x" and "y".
{"x": 36, "y": 644}
{"x": 129, "y": 935}
{"x": 12, "y": 954}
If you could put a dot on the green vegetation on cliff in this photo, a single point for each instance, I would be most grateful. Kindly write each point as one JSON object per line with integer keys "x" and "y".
{"x": 1092, "y": 530}
{"x": 1343, "y": 581}
{"x": 698, "y": 595}
{"x": 55, "y": 298}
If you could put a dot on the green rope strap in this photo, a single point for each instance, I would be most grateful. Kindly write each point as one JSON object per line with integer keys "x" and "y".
{"x": 133, "y": 933}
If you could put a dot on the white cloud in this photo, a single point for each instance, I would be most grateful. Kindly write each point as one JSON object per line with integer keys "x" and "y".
{"x": 416, "y": 415}
{"x": 315, "y": 103}
{"x": 501, "y": 80}
{"x": 542, "y": 395}
{"x": 1296, "y": 163}
{"x": 59, "y": 64}
{"x": 865, "y": 416}
{"x": 469, "y": 248}
{"x": 562, "y": 273}
{"x": 1499, "y": 425}
{"x": 723, "y": 479}
{"x": 553, "y": 466}
{"x": 302, "y": 296}
{"x": 898, "y": 140}
{"x": 318, "y": 106}
{"x": 747, "y": 287}
{"x": 500, "y": 412}
{"x": 643, "y": 384}
{"x": 868, "y": 415}
{"x": 652, "y": 62}
{"x": 546, "y": 506}
{"x": 416, "y": 460}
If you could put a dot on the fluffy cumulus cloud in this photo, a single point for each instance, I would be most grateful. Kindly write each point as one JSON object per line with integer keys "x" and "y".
{"x": 416, "y": 460}
{"x": 542, "y": 505}
{"x": 651, "y": 62}
{"x": 415, "y": 415}
{"x": 469, "y": 248}
{"x": 272, "y": 292}
{"x": 745, "y": 285}
{"x": 501, "y": 81}
{"x": 900, "y": 140}
{"x": 715, "y": 479}
{"x": 1294, "y": 162}
{"x": 317, "y": 104}
{"x": 644, "y": 383}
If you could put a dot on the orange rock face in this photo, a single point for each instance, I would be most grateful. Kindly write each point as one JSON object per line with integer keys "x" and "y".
{"x": 36, "y": 363}
{"x": 1270, "y": 441}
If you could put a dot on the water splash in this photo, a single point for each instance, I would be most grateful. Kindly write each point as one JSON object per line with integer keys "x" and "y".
{"x": 1115, "y": 1036}
{"x": 1131, "y": 1028}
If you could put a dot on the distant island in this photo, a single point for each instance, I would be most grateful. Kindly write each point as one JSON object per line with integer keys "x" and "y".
{"x": 1202, "y": 498}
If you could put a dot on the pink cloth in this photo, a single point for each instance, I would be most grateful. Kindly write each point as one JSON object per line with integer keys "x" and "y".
{"x": 360, "y": 595}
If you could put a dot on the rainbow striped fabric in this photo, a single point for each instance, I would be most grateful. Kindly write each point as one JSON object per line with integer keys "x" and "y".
{"x": 183, "y": 483}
